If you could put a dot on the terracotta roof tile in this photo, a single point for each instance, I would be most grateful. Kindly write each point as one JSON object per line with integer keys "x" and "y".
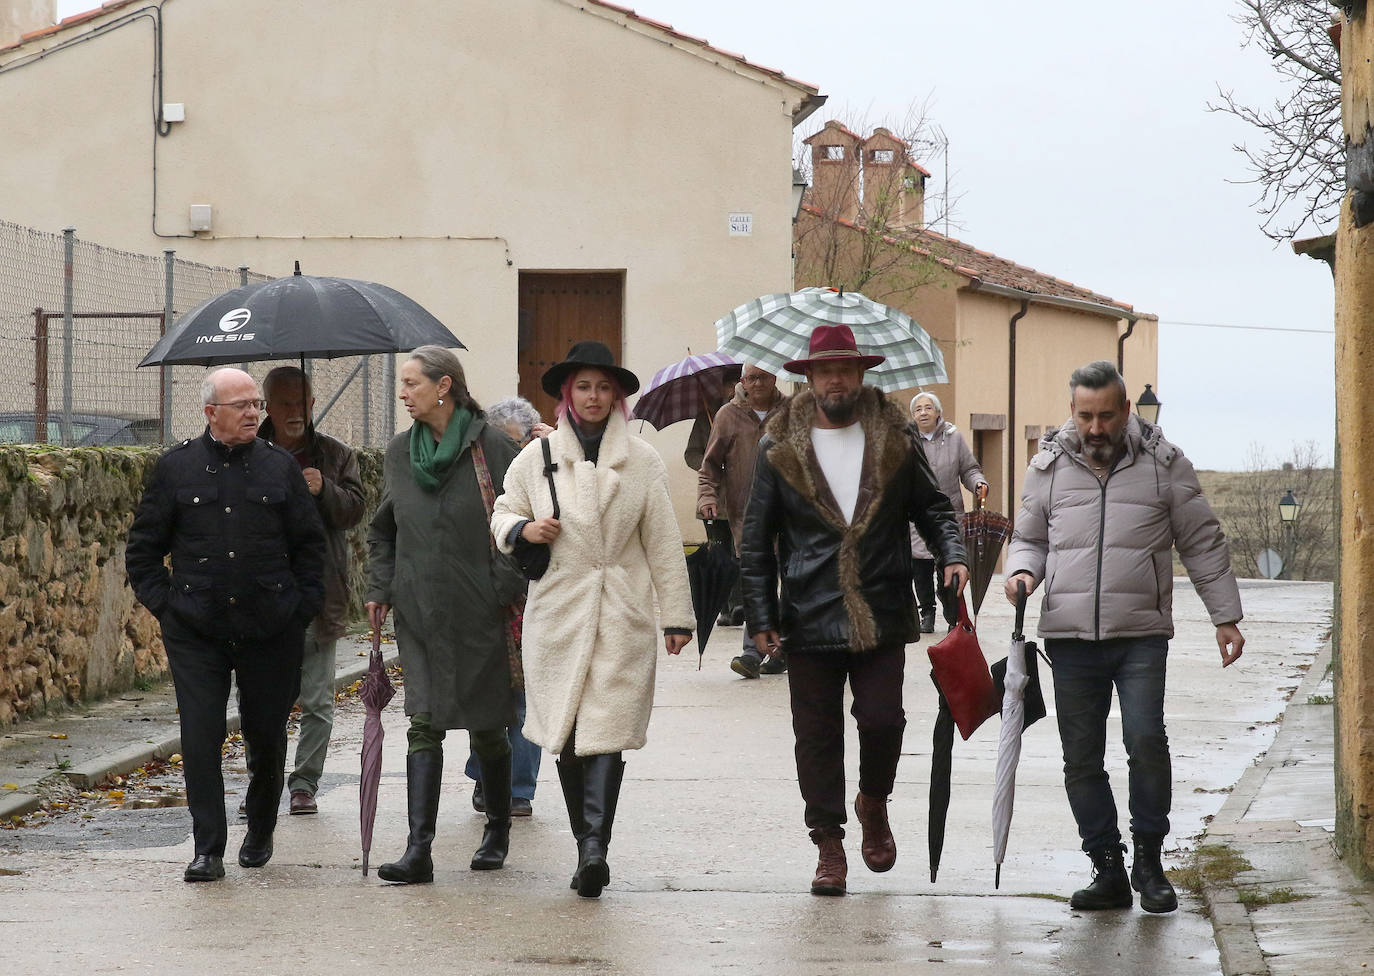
{"x": 71, "y": 20}
{"x": 674, "y": 32}
{"x": 971, "y": 262}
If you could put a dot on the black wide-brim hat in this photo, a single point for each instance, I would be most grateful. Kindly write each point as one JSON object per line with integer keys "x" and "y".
{"x": 587, "y": 354}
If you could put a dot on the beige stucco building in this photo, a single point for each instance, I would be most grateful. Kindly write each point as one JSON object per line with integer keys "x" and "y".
{"x": 532, "y": 171}
{"x": 1010, "y": 335}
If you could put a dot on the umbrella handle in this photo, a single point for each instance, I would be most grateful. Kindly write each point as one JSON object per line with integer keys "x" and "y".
{"x": 705, "y": 404}
{"x": 1021, "y": 597}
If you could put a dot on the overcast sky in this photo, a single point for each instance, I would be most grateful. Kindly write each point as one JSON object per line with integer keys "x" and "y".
{"x": 1080, "y": 145}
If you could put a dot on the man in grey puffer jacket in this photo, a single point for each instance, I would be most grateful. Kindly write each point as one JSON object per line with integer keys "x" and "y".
{"x": 1106, "y": 499}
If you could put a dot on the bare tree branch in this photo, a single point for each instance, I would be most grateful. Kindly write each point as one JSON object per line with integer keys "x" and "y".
{"x": 1300, "y": 168}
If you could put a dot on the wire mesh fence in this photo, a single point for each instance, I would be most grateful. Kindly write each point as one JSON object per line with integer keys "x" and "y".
{"x": 76, "y": 318}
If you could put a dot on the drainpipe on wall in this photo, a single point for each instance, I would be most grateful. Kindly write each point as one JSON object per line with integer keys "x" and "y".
{"x": 1011, "y": 403}
{"x": 1025, "y": 298}
{"x": 1121, "y": 347}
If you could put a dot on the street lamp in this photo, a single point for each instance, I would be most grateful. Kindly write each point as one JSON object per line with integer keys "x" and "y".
{"x": 1147, "y": 405}
{"x": 1289, "y": 507}
{"x": 798, "y": 191}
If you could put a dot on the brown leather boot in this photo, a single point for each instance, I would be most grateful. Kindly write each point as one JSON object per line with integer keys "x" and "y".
{"x": 879, "y": 849}
{"x": 832, "y": 869}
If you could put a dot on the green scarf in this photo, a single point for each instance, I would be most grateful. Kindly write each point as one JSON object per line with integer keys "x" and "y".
{"x": 429, "y": 461}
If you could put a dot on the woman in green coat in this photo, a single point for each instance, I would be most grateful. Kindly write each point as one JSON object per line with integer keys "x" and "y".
{"x": 432, "y": 561}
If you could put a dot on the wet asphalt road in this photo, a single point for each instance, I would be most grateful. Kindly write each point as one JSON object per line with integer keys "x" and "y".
{"x": 710, "y": 864}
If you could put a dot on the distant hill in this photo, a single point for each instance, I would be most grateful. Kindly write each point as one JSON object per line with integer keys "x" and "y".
{"x": 1247, "y": 504}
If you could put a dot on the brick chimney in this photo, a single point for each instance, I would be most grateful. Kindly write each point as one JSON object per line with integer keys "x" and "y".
{"x": 835, "y": 171}
{"x": 893, "y": 184}
{"x": 18, "y": 17}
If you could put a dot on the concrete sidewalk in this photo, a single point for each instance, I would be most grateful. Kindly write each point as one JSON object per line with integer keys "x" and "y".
{"x": 1279, "y": 820}
{"x": 111, "y": 737}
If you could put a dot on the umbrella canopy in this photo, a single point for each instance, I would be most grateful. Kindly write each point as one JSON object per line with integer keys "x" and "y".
{"x": 1022, "y": 704}
{"x": 985, "y": 532}
{"x": 776, "y": 329}
{"x": 376, "y": 691}
{"x": 299, "y": 317}
{"x": 682, "y": 390}
{"x": 711, "y": 571}
{"x": 941, "y": 761}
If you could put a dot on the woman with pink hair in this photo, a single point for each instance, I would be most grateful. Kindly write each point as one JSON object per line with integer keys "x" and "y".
{"x": 590, "y": 633}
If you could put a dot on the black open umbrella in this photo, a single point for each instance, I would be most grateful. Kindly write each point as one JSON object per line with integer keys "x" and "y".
{"x": 712, "y": 571}
{"x": 299, "y": 317}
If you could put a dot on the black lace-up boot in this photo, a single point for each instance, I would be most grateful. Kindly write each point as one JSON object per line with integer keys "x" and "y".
{"x": 1147, "y": 876}
{"x": 1110, "y": 888}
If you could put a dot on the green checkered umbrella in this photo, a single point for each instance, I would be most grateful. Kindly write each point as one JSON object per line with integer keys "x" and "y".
{"x": 776, "y": 329}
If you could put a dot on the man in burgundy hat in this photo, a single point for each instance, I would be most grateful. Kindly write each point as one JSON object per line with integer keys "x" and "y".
{"x": 839, "y": 478}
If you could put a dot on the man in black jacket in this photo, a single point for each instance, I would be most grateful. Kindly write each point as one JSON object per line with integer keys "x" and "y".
{"x": 247, "y": 549}
{"x": 838, "y": 480}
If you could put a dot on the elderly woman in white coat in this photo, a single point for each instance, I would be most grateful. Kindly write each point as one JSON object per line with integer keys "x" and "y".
{"x": 590, "y": 637}
{"x": 953, "y": 464}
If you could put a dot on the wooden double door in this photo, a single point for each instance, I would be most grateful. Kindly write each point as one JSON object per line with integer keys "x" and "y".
{"x": 558, "y": 309}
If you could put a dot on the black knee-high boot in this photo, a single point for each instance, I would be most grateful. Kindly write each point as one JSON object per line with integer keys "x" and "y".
{"x": 424, "y": 774}
{"x": 602, "y": 776}
{"x": 570, "y": 778}
{"x": 491, "y": 853}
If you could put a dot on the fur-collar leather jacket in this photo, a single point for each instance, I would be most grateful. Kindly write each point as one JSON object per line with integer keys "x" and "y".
{"x": 846, "y": 587}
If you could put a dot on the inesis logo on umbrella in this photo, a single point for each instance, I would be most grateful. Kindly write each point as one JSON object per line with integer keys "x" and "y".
{"x": 230, "y": 328}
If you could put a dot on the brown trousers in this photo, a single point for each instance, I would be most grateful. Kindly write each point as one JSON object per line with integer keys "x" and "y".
{"x": 816, "y": 683}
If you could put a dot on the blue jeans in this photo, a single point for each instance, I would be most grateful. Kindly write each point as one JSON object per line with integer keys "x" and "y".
{"x": 524, "y": 757}
{"x": 1084, "y": 673}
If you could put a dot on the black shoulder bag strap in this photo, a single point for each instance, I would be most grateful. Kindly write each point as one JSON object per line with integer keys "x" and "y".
{"x": 549, "y": 469}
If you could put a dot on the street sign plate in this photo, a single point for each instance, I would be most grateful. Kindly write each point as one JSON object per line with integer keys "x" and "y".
{"x": 1270, "y": 564}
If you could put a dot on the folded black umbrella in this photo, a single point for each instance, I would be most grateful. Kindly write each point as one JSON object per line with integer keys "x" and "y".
{"x": 1035, "y": 695}
{"x": 711, "y": 571}
{"x": 941, "y": 763}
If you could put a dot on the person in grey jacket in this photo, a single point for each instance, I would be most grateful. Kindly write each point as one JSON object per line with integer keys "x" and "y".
{"x": 1106, "y": 500}
{"x": 954, "y": 465}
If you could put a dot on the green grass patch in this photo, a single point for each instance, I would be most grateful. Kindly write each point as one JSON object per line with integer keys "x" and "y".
{"x": 1321, "y": 699}
{"x": 1209, "y": 864}
{"x": 1278, "y": 896}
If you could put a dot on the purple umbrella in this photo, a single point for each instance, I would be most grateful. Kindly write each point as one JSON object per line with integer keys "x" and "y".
{"x": 684, "y": 389}
{"x": 376, "y": 691}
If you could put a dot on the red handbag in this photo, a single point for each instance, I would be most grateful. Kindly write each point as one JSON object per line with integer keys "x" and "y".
{"x": 961, "y": 673}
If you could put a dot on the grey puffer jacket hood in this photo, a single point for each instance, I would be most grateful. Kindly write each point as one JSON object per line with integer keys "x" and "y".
{"x": 1101, "y": 550}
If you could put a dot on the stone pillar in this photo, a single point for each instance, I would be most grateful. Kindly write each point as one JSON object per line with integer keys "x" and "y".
{"x": 1354, "y": 658}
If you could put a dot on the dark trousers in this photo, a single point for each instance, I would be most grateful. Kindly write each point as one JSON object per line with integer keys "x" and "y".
{"x": 926, "y": 584}
{"x": 268, "y": 674}
{"x": 1084, "y": 674}
{"x": 816, "y": 684}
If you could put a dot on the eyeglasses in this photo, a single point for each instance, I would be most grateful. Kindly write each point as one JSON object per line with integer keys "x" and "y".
{"x": 242, "y": 405}
{"x": 760, "y": 378}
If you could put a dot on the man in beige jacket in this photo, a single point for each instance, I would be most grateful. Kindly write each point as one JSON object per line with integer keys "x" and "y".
{"x": 727, "y": 469}
{"x": 1106, "y": 500}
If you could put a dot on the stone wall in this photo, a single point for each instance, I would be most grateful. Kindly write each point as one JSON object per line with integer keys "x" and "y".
{"x": 70, "y": 629}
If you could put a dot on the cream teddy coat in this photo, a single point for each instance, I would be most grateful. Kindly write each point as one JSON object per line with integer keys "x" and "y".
{"x": 590, "y": 641}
